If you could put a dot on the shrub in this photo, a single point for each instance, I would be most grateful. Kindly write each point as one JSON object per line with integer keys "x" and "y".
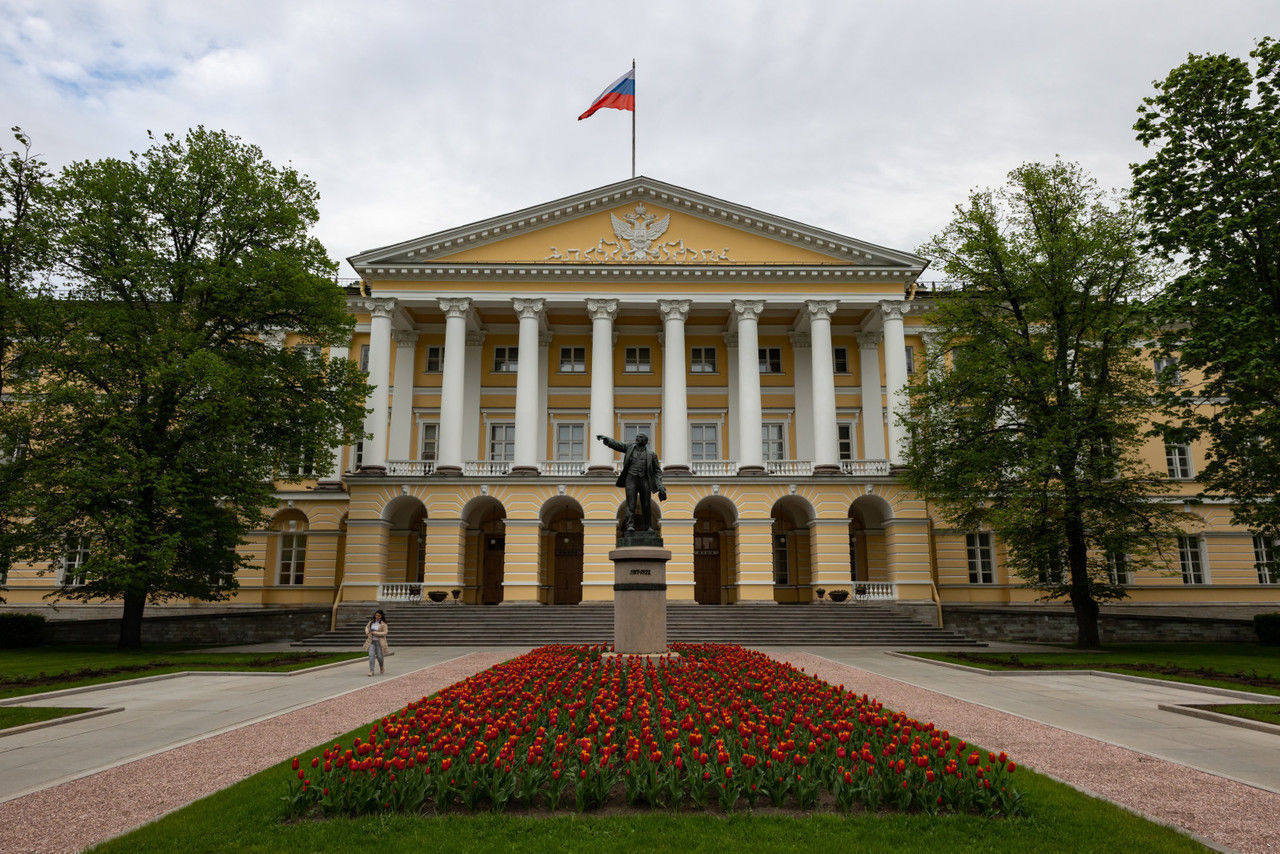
{"x": 17, "y": 630}
{"x": 1268, "y": 628}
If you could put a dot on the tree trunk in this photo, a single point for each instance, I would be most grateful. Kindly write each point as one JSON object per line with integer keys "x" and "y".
{"x": 1082, "y": 601}
{"x": 131, "y": 621}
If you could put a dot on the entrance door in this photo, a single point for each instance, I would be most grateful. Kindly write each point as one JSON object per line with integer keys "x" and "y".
{"x": 568, "y": 569}
{"x": 706, "y": 568}
{"x": 491, "y": 582}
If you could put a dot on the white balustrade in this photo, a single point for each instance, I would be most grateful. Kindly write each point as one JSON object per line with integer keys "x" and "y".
{"x": 400, "y": 592}
{"x": 563, "y": 468}
{"x": 411, "y": 468}
{"x": 875, "y": 591}
{"x": 714, "y": 468}
{"x": 486, "y": 468}
{"x": 865, "y": 468}
{"x": 788, "y": 467}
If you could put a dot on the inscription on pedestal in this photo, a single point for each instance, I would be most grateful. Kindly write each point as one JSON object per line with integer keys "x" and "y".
{"x": 640, "y": 600}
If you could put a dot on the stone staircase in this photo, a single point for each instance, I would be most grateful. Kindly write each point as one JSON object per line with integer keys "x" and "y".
{"x": 854, "y": 624}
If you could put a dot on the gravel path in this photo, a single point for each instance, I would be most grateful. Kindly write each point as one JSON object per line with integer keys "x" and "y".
{"x": 70, "y": 817}
{"x": 1222, "y": 812}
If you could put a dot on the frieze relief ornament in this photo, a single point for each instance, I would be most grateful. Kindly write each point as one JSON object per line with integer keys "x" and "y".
{"x": 638, "y": 233}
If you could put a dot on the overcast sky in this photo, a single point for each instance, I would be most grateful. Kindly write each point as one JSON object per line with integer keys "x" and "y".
{"x": 868, "y": 119}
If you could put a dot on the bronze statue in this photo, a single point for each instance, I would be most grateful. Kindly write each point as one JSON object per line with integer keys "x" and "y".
{"x": 641, "y": 477}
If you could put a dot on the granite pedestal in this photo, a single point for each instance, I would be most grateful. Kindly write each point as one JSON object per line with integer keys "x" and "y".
{"x": 640, "y": 599}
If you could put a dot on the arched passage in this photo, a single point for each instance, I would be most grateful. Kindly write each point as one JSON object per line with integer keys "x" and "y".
{"x": 792, "y": 563}
{"x": 406, "y": 518}
{"x": 715, "y": 550}
{"x": 485, "y": 522}
{"x": 868, "y": 559}
{"x": 561, "y": 551}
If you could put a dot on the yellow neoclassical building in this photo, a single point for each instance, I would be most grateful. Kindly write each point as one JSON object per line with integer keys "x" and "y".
{"x": 765, "y": 358}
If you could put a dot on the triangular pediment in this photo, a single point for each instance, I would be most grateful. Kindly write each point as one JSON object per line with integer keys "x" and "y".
{"x": 637, "y": 221}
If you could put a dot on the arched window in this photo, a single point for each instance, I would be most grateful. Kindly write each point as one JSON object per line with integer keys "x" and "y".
{"x": 291, "y": 555}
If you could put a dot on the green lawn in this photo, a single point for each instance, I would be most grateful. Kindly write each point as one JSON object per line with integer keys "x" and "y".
{"x": 49, "y": 668}
{"x": 11, "y": 716}
{"x": 248, "y": 817}
{"x": 1268, "y": 713}
{"x": 1244, "y": 667}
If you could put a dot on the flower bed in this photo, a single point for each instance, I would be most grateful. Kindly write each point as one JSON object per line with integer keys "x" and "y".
{"x": 721, "y": 726}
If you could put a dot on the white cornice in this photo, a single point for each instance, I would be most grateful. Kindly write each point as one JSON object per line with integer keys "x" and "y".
{"x": 423, "y": 250}
{"x": 537, "y": 273}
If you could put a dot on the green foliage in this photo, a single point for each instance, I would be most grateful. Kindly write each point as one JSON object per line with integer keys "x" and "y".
{"x": 21, "y": 630}
{"x": 1211, "y": 193}
{"x": 1036, "y": 399}
{"x": 164, "y": 402}
{"x": 1268, "y": 628}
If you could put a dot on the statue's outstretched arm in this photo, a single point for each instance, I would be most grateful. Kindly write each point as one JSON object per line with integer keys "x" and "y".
{"x": 612, "y": 443}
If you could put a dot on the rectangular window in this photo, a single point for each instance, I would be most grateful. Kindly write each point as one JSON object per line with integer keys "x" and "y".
{"x": 1264, "y": 558}
{"x": 774, "y": 439}
{"x": 435, "y": 360}
{"x": 911, "y": 360}
{"x": 304, "y": 467}
{"x": 1118, "y": 568}
{"x": 573, "y": 360}
{"x": 364, "y": 358}
{"x": 844, "y": 440}
{"x": 1191, "y": 556}
{"x": 704, "y": 442}
{"x": 357, "y": 458}
{"x": 1178, "y": 460}
{"x": 631, "y": 429}
{"x": 637, "y": 361}
{"x": 702, "y": 360}
{"x": 309, "y": 351}
{"x": 293, "y": 557}
{"x": 982, "y": 564}
{"x": 430, "y": 437}
{"x": 13, "y": 447}
{"x": 1167, "y": 370}
{"x": 770, "y": 360}
{"x": 506, "y": 360}
{"x": 502, "y": 442}
{"x": 781, "y": 568}
{"x": 70, "y": 569}
{"x": 840, "y": 360}
{"x": 571, "y": 442}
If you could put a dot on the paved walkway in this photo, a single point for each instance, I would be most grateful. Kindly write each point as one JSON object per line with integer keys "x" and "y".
{"x": 1117, "y": 711}
{"x": 166, "y": 713}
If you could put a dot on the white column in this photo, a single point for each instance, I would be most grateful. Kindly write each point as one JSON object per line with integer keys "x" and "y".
{"x": 802, "y": 364}
{"x": 932, "y": 341}
{"x": 452, "y": 386}
{"x": 731, "y": 379}
{"x": 750, "y": 442}
{"x": 474, "y": 373}
{"x": 375, "y": 449}
{"x": 334, "y": 480}
{"x": 402, "y": 395}
{"x": 872, "y": 405}
{"x": 526, "y": 453}
{"x": 544, "y": 387}
{"x": 675, "y": 398}
{"x": 895, "y": 376}
{"x": 602, "y": 311}
{"x": 826, "y": 449}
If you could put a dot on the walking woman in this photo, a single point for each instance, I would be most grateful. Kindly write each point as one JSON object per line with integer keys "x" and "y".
{"x": 375, "y": 640}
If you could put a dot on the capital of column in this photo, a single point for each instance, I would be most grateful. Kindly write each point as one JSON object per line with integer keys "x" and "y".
{"x": 747, "y": 309}
{"x": 528, "y": 308}
{"x": 674, "y": 309}
{"x": 544, "y": 339}
{"x": 800, "y": 340}
{"x": 380, "y": 308}
{"x": 894, "y": 309}
{"x": 731, "y": 339}
{"x": 404, "y": 337}
{"x": 455, "y": 307}
{"x": 930, "y": 337}
{"x": 869, "y": 340}
{"x": 475, "y": 337}
{"x": 821, "y": 309}
{"x": 602, "y": 309}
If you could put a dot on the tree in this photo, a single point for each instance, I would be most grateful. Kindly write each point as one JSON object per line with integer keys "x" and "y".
{"x": 165, "y": 402}
{"x": 1035, "y": 402}
{"x": 1211, "y": 195}
{"x": 25, "y": 244}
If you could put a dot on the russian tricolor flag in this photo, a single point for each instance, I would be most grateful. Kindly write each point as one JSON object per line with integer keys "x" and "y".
{"x": 620, "y": 95}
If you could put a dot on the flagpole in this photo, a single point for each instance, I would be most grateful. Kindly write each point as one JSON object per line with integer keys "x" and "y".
{"x": 633, "y": 121}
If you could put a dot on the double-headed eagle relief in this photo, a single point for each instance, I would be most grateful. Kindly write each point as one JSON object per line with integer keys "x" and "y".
{"x": 638, "y": 233}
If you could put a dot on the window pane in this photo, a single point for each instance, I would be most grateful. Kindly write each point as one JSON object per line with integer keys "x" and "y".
{"x": 774, "y": 442}
{"x": 434, "y": 358}
{"x": 429, "y": 436}
{"x": 844, "y": 433}
{"x": 840, "y": 360}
